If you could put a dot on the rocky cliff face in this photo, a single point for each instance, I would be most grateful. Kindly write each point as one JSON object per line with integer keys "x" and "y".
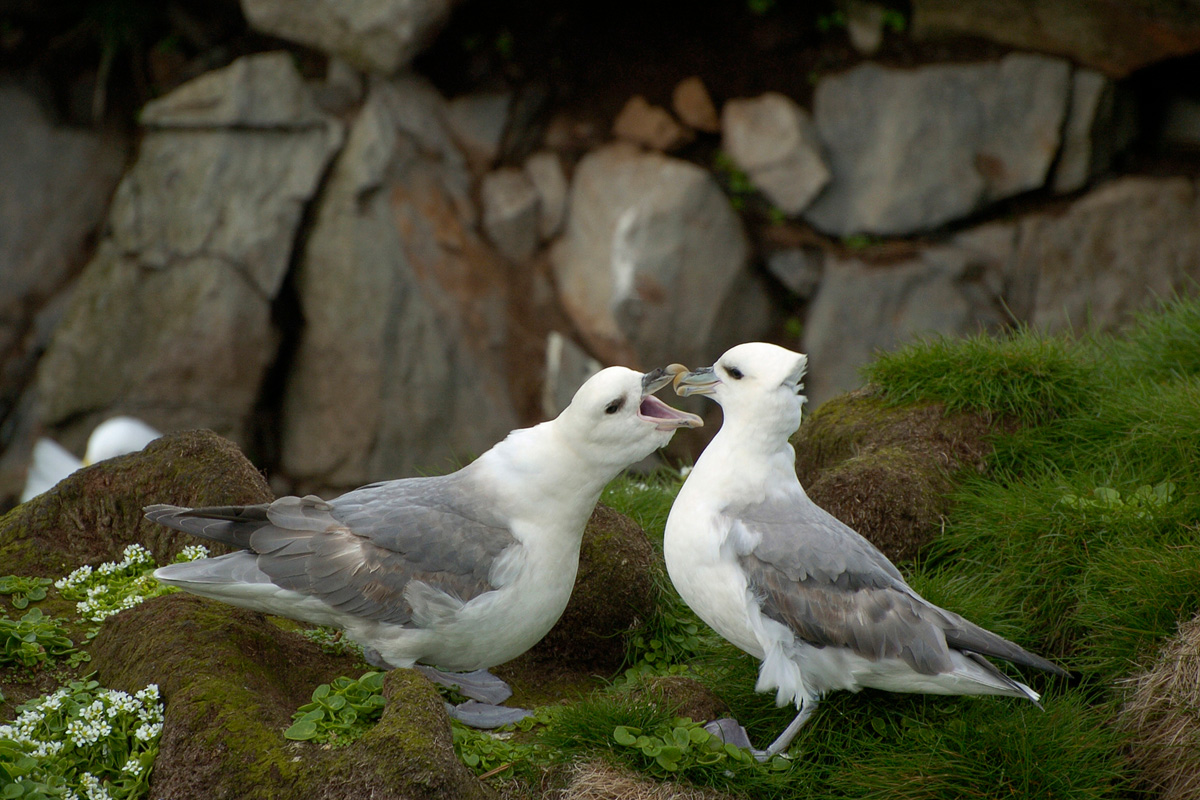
{"x": 372, "y": 246}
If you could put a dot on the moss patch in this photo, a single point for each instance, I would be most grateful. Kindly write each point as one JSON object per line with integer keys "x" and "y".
{"x": 886, "y": 470}
{"x": 93, "y": 514}
{"x": 231, "y": 681}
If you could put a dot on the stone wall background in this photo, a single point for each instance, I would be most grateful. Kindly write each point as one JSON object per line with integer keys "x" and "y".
{"x": 366, "y": 240}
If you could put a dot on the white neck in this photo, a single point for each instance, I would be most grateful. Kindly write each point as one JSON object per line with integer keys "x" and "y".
{"x": 749, "y": 461}
{"x": 542, "y": 476}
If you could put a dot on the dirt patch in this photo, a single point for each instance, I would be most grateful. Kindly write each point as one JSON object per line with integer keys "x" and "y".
{"x": 91, "y": 516}
{"x": 597, "y": 780}
{"x": 886, "y": 471}
{"x": 1161, "y": 714}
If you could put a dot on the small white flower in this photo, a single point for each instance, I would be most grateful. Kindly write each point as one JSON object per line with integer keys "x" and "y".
{"x": 148, "y": 731}
{"x": 193, "y": 552}
{"x": 133, "y": 766}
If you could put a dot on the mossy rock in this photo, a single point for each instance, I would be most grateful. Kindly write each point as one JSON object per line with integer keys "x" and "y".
{"x": 886, "y": 470}
{"x": 91, "y": 515}
{"x": 1161, "y": 718}
{"x": 613, "y": 594}
{"x": 231, "y": 681}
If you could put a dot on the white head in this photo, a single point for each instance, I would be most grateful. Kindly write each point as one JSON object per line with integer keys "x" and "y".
{"x": 116, "y": 437}
{"x": 756, "y": 384}
{"x": 614, "y": 417}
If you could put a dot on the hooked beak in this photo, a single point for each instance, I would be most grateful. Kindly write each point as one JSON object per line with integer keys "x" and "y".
{"x": 700, "y": 381}
{"x": 654, "y": 410}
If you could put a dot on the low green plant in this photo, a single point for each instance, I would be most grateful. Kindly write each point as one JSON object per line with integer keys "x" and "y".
{"x": 675, "y": 746}
{"x": 340, "y": 712}
{"x": 1141, "y": 503}
{"x": 332, "y": 641}
{"x": 25, "y": 590}
{"x": 117, "y": 585}
{"x": 33, "y": 639}
{"x": 82, "y": 741}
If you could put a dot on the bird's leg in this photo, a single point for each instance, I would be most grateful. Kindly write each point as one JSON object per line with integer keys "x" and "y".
{"x": 780, "y": 745}
{"x": 479, "y": 685}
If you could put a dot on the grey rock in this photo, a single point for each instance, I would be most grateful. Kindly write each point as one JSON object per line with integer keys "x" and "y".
{"x": 258, "y": 91}
{"x": 567, "y": 366}
{"x": 341, "y": 90}
{"x": 860, "y": 308}
{"x": 399, "y": 368}
{"x": 1114, "y": 38}
{"x": 477, "y": 122}
{"x": 864, "y": 26}
{"x": 650, "y": 251}
{"x": 1099, "y": 125}
{"x": 55, "y": 187}
{"x": 374, "y": 35}
{"x": 510, "y": 213}
{"x": 546, "y": 171}
{"x": 773, "y": 140}
{"x": 911, "y": 150}
{"x": 1114, "y": 251}
{"x": 171, "y": 320}
{"x": 797, "y": 268}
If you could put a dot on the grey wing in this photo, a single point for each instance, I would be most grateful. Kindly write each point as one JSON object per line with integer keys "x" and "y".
{"x": 370, "y": 551}
{"x": 831, "y": 586}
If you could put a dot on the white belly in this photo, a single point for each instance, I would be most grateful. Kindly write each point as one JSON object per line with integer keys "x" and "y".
{"x": 712, "y": 585}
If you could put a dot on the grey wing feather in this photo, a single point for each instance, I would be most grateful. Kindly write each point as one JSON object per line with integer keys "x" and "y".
{"x": 833, "y": 587}
{"x": 360, "y": 551}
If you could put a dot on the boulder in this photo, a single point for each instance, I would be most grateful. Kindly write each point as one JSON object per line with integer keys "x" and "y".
{"x": 1114, "y": 38}
{"x": 1099, "y": 125}
{"x": 399, "y": 366}
{"x": 230, "y": 681}
{"x": 650, "y": 252}
{"x": 861, "y": 306}
{"x": 510, "y": 213}
{"x": 567, "y": 367}
{"x": 1111, "y": 253}
{"x": 171, "y": 320}
{"x": 773, "y": 140}
{"x": 694, "y": 105}
{"x": 55, "y": 186}
{"x": 546, "y": 171}
{"x": 649, "y": 125}
{"x": 380, "y": 36}
{"x": 798, "y": 269}
{"x": 913, "y": 149}
{"x": 887, "y": 471}
{"x": 477, "y": 122}
{"x": 91, "y": 515}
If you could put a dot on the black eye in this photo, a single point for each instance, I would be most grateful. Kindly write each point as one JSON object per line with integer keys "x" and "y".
{"x": 614, "y": 406}
{"x": 735, "y": 373}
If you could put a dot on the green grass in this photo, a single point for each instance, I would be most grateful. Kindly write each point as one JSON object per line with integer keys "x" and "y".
{"x": 1079, "y": 542}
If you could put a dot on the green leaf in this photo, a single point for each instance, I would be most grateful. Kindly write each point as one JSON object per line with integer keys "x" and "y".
{"x": 301, "y": 731}
{"x": 625, "y": 736}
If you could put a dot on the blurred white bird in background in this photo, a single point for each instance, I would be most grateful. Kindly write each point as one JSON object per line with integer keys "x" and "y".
{"x": 51, "y": 462}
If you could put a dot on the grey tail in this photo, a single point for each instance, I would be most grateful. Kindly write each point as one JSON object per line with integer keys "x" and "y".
{"x": 990, "y": 668}
{"x": 227, "y": 524}
{"x": 970, "y": 638}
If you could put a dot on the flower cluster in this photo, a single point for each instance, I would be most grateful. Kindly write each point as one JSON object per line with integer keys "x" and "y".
{"x": 117, "y": 585}
{"x": 86, "y": 742}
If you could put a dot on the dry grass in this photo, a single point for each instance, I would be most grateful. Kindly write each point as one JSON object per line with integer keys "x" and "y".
{"x": 1163, "y": 714}
{"x": 597, "y": 780}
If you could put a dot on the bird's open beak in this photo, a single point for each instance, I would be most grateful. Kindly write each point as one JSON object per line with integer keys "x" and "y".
{"x": 654, "y": 410}
{"x": 699, "y": 381}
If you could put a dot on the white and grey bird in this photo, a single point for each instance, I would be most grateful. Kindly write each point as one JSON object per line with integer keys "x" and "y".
{"x": 52, "y": 462}
{"x": 787, "y": 582}
{"x": 460, "y": 572}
